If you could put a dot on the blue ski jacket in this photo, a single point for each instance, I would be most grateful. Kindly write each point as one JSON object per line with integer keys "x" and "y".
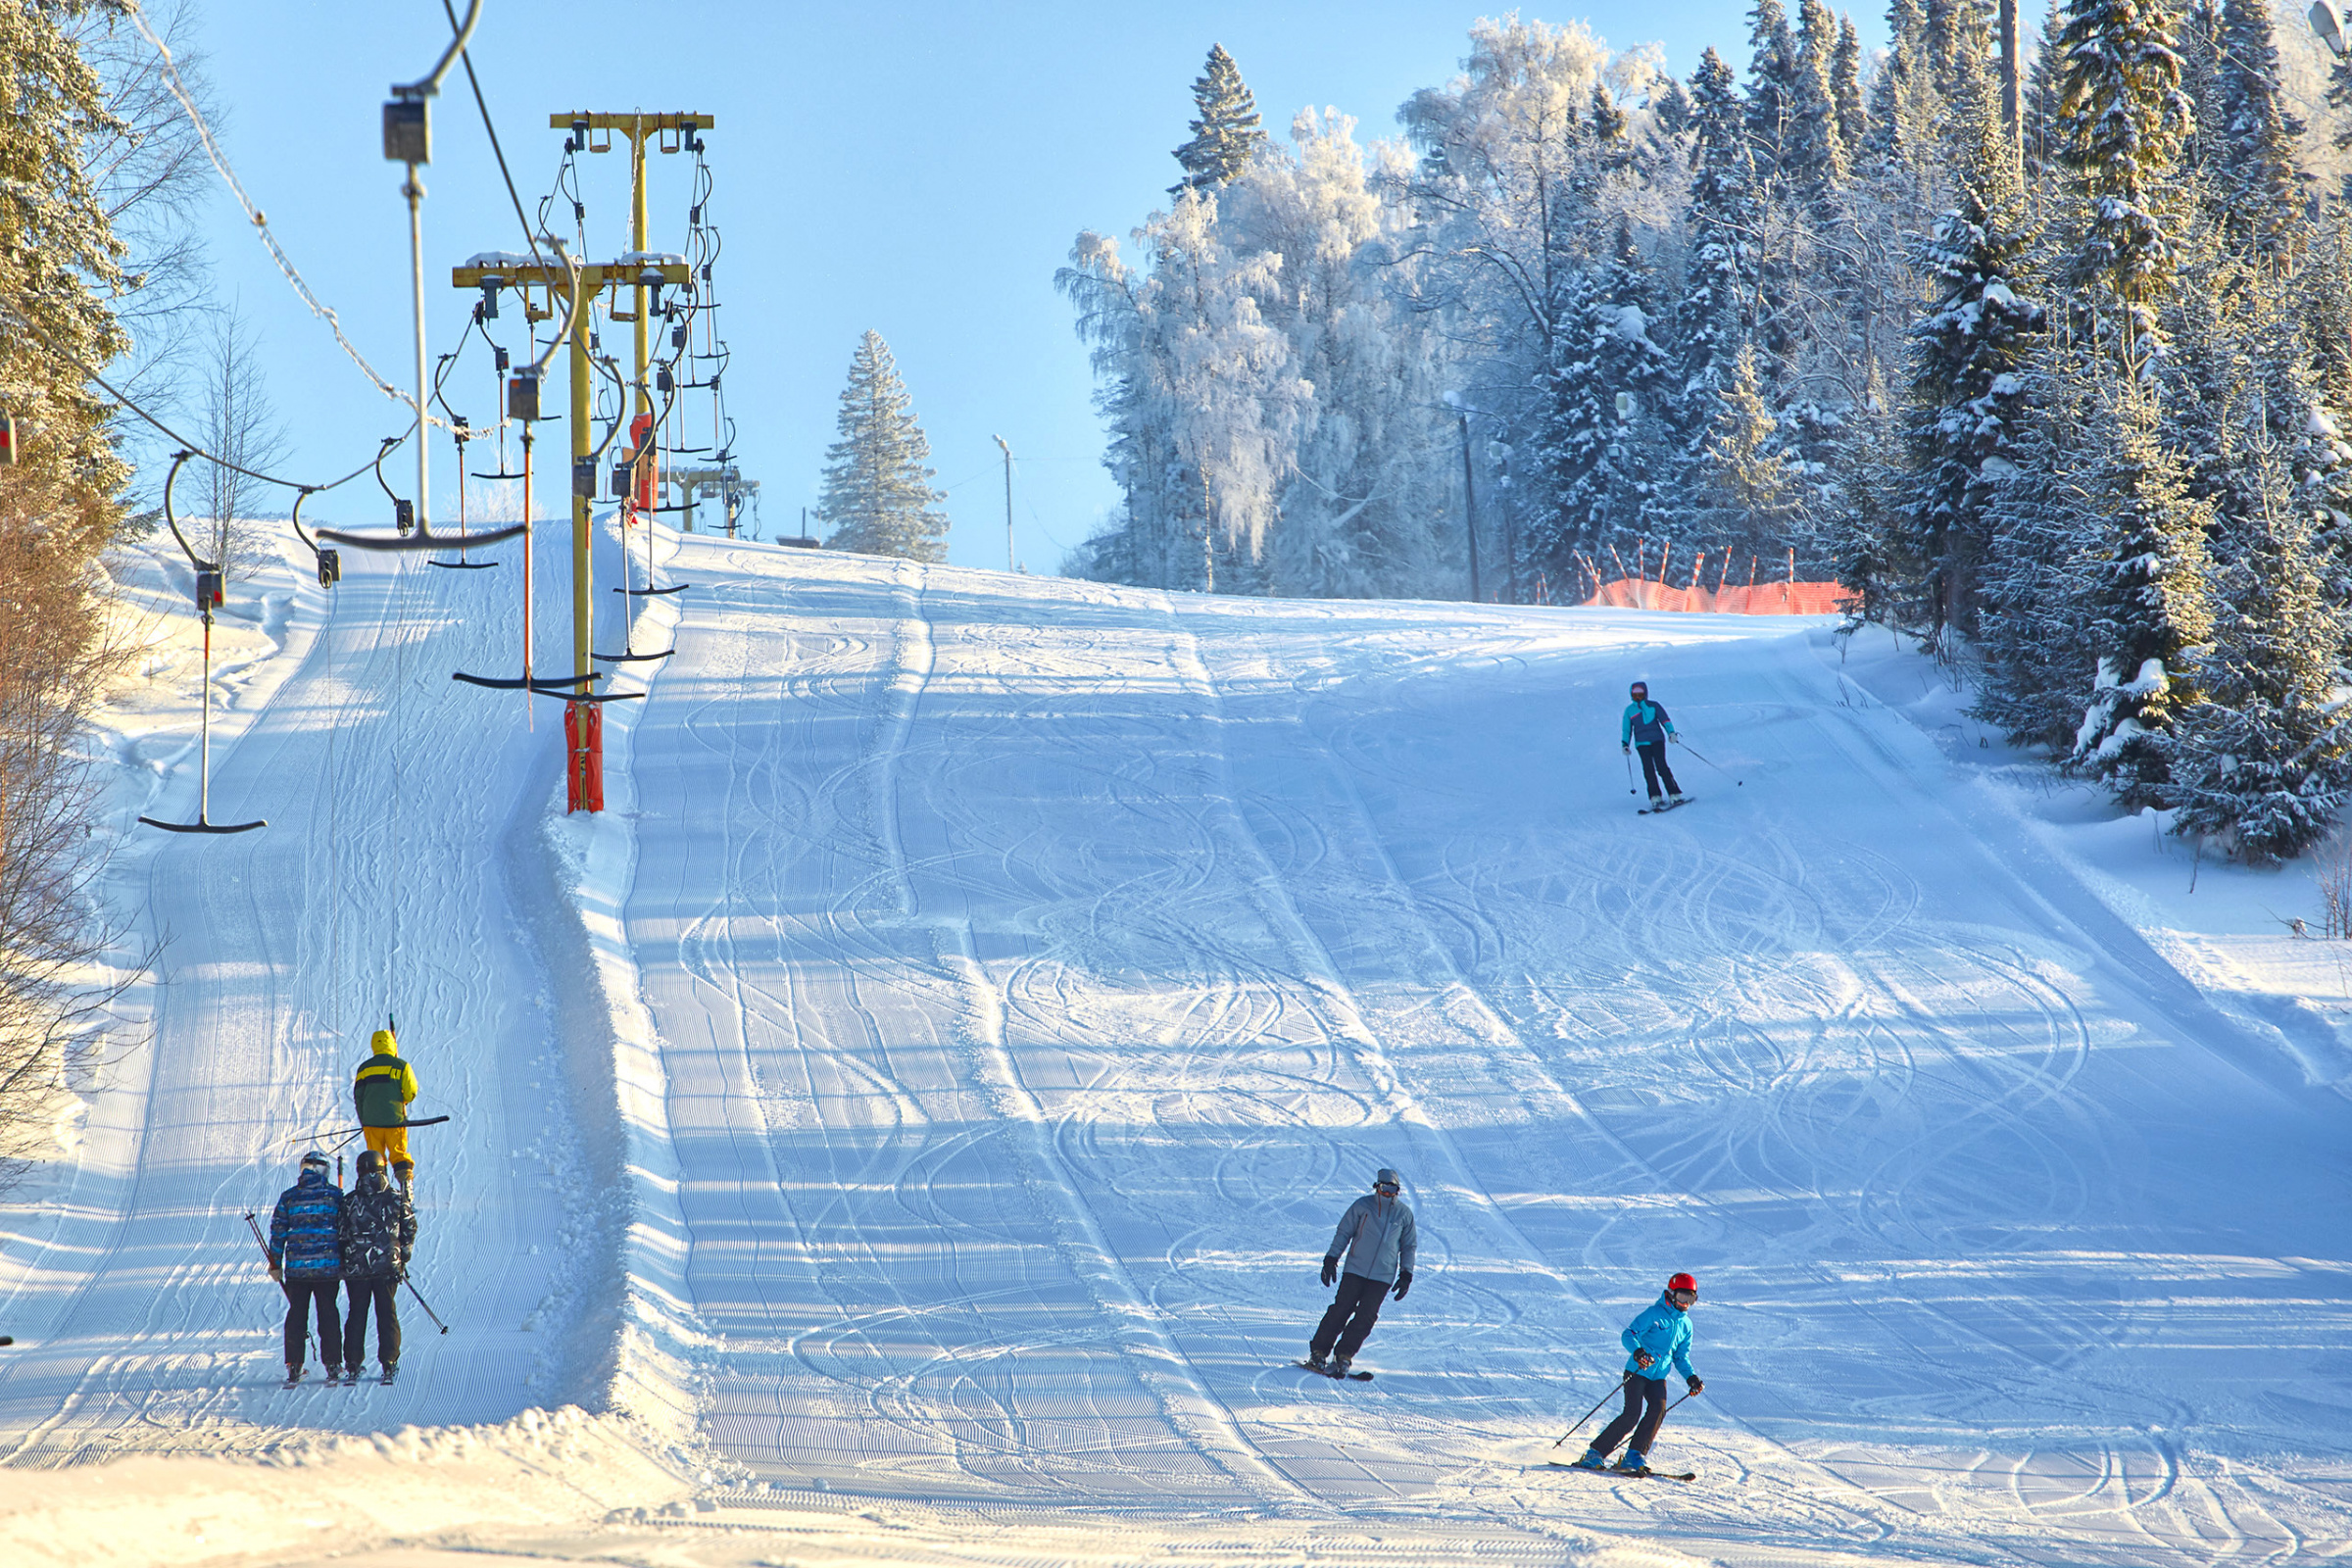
{"x": 1379, "y": 1236}
{"x": 1664, "y": 1330}
{"x": 1644, "y": 724}
{"x": 306, "y": 1232}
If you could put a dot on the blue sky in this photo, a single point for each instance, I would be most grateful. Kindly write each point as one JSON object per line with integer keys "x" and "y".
{"x": 920, "y": 170}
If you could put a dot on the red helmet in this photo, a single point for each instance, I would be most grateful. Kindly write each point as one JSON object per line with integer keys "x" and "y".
{"x": 1682, "y": 1282}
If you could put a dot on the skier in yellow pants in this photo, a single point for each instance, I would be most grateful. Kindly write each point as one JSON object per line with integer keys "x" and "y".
{"x": 380, "y": 1092}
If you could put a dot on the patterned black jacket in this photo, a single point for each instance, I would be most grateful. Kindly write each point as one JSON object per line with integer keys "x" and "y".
{"x": 379, "y": 1229}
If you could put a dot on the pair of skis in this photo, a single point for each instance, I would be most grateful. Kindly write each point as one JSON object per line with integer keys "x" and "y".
{"x": 1644, "y": 1474}
{"x": 294, "y": 1379}
{"x": 1661, "y": 809}
{"x": 1336, "y": 1376}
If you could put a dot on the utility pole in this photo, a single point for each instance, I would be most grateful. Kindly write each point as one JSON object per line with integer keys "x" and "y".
{"x": 1469, "y": 504}
{"x": 1011, "y": 562}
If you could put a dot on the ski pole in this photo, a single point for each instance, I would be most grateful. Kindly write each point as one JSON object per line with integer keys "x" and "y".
{"x": 1736, "y": 779}
{"x": 1603, "y": 1399}
{"x": 1629, "y": 774}
{"x": 257, "y": 1237}
{"x": 443, "y": 1328}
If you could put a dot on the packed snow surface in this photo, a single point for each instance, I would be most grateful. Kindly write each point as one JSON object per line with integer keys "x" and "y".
{"x": 909, "y": 1119}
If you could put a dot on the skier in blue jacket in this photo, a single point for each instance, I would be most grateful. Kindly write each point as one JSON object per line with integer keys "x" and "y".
{"x": 1645, "y": 728}
{"x": 1659, "y": 1336}
{"x": 1378, "y": 1237}
{"x": 306, "y": 1258}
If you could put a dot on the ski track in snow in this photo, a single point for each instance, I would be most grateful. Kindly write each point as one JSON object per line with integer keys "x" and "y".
{"x": 1039, "y": 967}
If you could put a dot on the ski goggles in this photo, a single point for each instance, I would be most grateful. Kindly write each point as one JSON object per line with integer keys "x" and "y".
{"x": 1682, "y": 1297}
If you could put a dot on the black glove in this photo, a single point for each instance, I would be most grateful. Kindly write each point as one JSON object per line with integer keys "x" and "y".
{"x": 1331, "y": 1270}
{"x": 1626, "y": 750}
{"x": 1645, "y": 1360}
{"x": 1404, "y": 1283}
{"x": 1697, "y": 1386}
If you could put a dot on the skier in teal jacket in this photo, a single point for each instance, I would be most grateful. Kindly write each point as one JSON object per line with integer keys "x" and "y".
{"x": 1659, "y": 1336}
{"x": 1645, "y": 728}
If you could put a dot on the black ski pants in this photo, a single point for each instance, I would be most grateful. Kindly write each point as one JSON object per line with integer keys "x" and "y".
{"x": 301, "y": 1296}
{"x": 363, "y": 1293}
{"x": 1654, "y": 769}
{"x": 1645, "y": 1409}
{"x": 1349, "y": 1320}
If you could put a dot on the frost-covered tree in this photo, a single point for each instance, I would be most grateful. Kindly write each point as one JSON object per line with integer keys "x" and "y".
{"x": 1751, "y": 498}
{"x": 2250, "y": 166}
{"x": 1603, "y": 442}
{"x": 1846, "y": 89}
{"x": 1225, "y": 132}
{"x": 2122, "y": 118}
{"x": 1716, "y": 312}
{"x": 1771, "y": 110}
{"x": 1815, "y": 154}
{"x": 237, "y": 422}
{"x": 1966, "y": 392}
{"x": 2148, "y": 601}
{"x": 877, "y": 496}
{"x": 2261, "y": 758}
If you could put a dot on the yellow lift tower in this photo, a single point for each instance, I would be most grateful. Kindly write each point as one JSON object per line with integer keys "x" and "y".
{"x": 640, "y": 270}
{"x": 669, "y": 134}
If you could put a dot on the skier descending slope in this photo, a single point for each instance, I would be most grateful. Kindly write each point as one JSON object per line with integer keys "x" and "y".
{"x": 379, "y": 1236}
{"x": 1378, "y": 1235}
{"x": 1645, "y": 728}
{"x": 1661, "y": 1335}
{"x": 306, "y": 1258}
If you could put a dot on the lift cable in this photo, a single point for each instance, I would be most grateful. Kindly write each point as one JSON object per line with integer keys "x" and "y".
{"x": 261, "y": 223}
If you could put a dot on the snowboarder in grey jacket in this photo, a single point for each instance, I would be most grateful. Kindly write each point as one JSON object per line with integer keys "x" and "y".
{"x": 1378, "y": 1237}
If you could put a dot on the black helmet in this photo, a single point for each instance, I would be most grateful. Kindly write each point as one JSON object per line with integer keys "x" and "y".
{"x": 1640, "y": 688}
{"x": 369, "y": 1160}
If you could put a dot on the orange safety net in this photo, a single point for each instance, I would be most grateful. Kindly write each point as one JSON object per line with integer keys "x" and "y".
{"x": 1763, "y": 599}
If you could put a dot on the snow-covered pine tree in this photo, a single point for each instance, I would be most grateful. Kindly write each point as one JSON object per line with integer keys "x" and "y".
{"x": 1670, "y": 104}
{"x": 2037, "y": 104}
{"x": 2122, "y": 118}
{"x": 1748, "y": 489}
{"x": 2149, "y": 600}
{"x": 1226, "y": 135}
{"x": 2253, "y": 170}
{"x": 877, "y": 494}
{"x": 1715, "y": 312}
{"x": 1960, "y": 418}
{"x": 2262, "y": 757}
{"x": 1845, "y": 87}
{"x": 1599, "y": 447}
{"x": 1902, "y": 119}
{"x": 1771, "y": 108}
{"x": 1814, "y": 159}
{"x": 2043, "y": 522}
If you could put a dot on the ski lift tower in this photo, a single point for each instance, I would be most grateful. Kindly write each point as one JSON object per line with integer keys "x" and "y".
{"x": 641, "y": 271}
{"x": 724, "y": 483}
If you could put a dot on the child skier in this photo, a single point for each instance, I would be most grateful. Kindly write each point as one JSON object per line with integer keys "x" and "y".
{"x": 1378, "y": 1237}
{"x": 1661, "y": 1335}
{"x": 1645, "y": 728}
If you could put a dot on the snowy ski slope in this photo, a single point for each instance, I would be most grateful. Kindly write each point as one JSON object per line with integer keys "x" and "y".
{"x": 1010, "y": 980}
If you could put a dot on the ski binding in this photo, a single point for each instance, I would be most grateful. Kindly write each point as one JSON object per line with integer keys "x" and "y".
{"x": 1351, "y": 1376}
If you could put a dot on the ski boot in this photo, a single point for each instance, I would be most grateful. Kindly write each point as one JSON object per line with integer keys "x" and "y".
{"x": 1340, "y": 1365}
{"x": 1316, "y": 1361}
{"x": 391, "y": 1368}
{"x": 293, "y": 1374}
{"x": 404, "y": 1171}
{"x": 1635, "y": 1463}
{"x": 1593, "y": 1460}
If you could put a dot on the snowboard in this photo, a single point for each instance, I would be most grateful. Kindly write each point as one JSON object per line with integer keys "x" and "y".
{"x": 1629, "y": 1475}
{"x": 1661, "y": 811}
{"x": 1351, "y": 1377}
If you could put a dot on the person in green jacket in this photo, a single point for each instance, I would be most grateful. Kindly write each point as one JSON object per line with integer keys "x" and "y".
{"x": 380, "y": 1092}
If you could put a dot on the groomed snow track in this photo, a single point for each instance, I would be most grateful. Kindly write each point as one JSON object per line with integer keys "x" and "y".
{"x": 1035, "y": 969}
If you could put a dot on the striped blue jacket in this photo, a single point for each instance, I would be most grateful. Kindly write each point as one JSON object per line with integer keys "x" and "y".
{"x": 306, "y": 1233}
